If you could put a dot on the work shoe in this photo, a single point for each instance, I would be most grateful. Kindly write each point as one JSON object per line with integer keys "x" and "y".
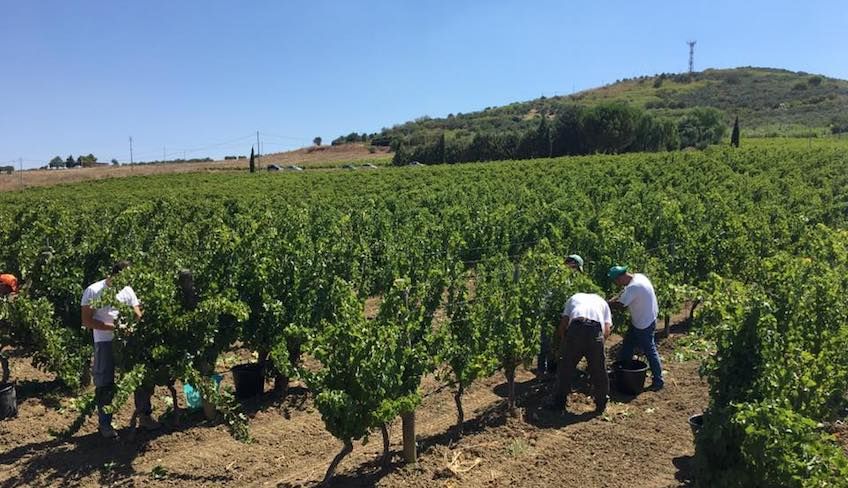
{"x": 146, "y": 422}
{"x": 657, "y": 385}
{"x": 107, "y": 432}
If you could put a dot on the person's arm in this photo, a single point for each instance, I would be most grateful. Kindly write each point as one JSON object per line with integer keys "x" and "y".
{"x": 563, "y": 326}
{"x": 134, "y": 302}
{"x": 564, "y": 319}
{"x": 89, "y": 322}
{"x": 607, "y": 329}
{"x": 621, "y": 300}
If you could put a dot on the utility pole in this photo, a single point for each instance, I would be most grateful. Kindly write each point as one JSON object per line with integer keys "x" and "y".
{"x": 164, "y": 157}
{"x": 131, "y": 155}
{"x": 21, "y": 170}
{"x": 258, "y": 151}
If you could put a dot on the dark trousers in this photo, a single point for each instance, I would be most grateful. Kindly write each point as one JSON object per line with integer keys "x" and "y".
{"x": 644, "y": 340}
{"x": 103, "y": 372}
{"x": 583, "y": 339}
{"x": 545, "y": 362}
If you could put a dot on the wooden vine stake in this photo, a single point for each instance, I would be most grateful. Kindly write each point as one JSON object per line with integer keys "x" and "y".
{"x": 410, "y": 455}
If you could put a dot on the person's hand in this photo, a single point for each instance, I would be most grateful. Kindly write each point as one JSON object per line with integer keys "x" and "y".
{"x": 124, "y": 327}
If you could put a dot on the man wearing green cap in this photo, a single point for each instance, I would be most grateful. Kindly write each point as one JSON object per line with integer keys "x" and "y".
{"x": 638, "y": 296}
{"x": 574, "y": 262}
{"x": 546, "y": 362}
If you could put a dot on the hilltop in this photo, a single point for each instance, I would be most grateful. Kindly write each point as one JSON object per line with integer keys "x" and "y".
{"x": 769, "y": 102}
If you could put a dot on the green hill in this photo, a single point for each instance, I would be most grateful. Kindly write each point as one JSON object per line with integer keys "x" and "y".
{"x": 769, "y": 102}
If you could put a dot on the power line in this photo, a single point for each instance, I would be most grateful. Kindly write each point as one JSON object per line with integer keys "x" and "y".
{"x": 276, "y": 136}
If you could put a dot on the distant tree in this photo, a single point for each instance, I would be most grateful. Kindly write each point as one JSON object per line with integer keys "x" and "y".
{"x": 669, "y": 137}
{"x": 653, "y": 134}
{"x": 70, "y": 162}
{"x": 56, "y": 162}
{"x": 734, "y": 136}
{"x": 544, "y": 140}
{"x": 440, "y": 152}
{"x": 87, "y": 161}
{"x": 316, "y": 141}
{"x": 566, "y": 138}
{"x": 610, "y": 128}
{"x": 701, "y": 127}
{"x": 114, "y": 162}
{"x": 839, "y": 125}
{"x": 252, "y": 162}
{"x": 381, "y": 140}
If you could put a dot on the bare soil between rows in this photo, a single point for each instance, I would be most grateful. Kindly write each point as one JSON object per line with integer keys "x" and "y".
{"x": 641, "y": 441}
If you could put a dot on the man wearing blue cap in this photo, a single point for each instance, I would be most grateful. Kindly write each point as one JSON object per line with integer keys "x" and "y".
{"x": 638, "y": 296}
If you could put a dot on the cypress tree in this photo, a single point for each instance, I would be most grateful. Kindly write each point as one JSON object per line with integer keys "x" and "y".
{"x": 252, "y": 162}
{"x": 734, "y": 136}
{"x": 440, "y": 149}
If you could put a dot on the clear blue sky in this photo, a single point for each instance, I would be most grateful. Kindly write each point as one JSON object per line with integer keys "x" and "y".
{"x": 83, "y": 76}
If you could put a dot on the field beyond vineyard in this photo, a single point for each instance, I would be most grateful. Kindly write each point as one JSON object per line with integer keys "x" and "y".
{"x": 323, "y": 157}
{"x": 372, "y": 295}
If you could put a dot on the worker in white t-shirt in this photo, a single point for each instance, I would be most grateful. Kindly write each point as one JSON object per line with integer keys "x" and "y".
{"x": 546, "y": 362}
{"x": 585, "y": 324}
{"x": 102, "y": 323}
{"x": 639, "y": 297}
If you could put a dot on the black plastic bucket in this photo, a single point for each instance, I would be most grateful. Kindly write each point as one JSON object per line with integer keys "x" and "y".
{"x": 696, "y": 422}
{"x": 8, "y": 401}
{"x": 630, "y": 376}
{"x": 249, "y": 380}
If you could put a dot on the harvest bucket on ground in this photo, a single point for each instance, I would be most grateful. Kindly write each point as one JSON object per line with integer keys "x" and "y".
{"x": 249, "y": 380}
{"x": 630, "y": 376}
{"x": 8, "y": 401}
{"x": 696, "y": 422}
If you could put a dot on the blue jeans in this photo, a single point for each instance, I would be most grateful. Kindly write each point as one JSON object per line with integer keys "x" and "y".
{"x": 103, "y": 373}
{"x": 644, "y": 340}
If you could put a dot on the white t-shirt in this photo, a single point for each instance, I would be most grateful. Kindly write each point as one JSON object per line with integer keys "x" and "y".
{"x": 639, "y": 296}
{"x": 588, "y": 306}
{"x": 107, "y": 315}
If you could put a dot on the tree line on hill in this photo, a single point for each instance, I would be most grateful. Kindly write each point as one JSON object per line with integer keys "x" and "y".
{"x": 81, "y": 161}
{"x": 91, "y": 160}
{"x": 574, "y": 130}
{"x": 373, "y": 139}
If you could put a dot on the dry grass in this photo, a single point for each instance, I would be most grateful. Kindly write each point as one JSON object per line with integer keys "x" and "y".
{"x": 305, "y": 157}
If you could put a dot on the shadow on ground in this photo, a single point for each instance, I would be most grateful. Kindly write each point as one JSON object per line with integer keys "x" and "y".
{"x": 70, "y": 460}
{"x": 685, "y": 470}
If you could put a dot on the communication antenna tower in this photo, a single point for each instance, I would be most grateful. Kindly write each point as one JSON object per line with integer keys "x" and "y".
{"x": 691, "y": 57}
